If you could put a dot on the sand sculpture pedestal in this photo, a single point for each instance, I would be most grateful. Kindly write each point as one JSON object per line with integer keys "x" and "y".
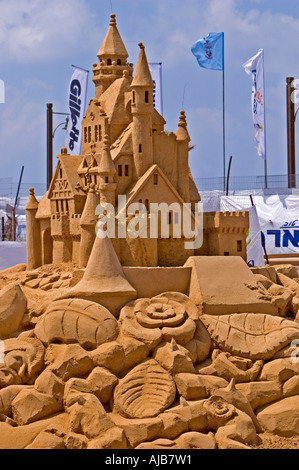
{"x": 156, "y": 368}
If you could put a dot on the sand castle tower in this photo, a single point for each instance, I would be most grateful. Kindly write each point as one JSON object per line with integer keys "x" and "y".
{"x": 33, "y": 233}
{"x": 104, "y": 280}
{"x": 87, "y": 223}
{"x": 107, "y": 174}
{"x": 183, "y": 140}
{"x": 142, "y": 111}
{"x": 112, "y": 57}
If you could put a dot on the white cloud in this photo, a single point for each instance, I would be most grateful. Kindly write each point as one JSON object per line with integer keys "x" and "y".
{"x": 38, "y": 30}
{"x": 23, "y": 129}
{"x": 178, "y": 26}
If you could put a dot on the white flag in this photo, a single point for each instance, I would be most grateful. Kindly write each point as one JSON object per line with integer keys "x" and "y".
{"x": 156, "y": 73}
{"x": 254, "y": 67}
{"x": 77, "y": 94}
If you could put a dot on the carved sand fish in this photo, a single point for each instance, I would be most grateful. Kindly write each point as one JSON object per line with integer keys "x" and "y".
{"x": 77, "y": 321}
{"x": 252, "y": 335}
{"x": 145, "y": 392}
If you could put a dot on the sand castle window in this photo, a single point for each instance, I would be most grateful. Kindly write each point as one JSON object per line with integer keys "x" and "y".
{"x": 155, "y": 178}
{"x": 98, "y": 133}
{"x": 140, "y": 148}
{"x": 106, "y": 179}
{"x": 57, "y": 206}
{"x": 109, "y": 62}
{"x": 120, "y": 170}
{"x": 118, "y": 62}
{"x": 60, "y": 173}
{"x": 126, "y": 170}
{"x": 226, "y": 253}
{"x": 146, "y": 97}
{"x": 239, "y": 245}
{"x": 85, "y": 135}
{"x": 133, "y": 96}
{"x": 89, "y": 134}
{"x": 67, "y": 205}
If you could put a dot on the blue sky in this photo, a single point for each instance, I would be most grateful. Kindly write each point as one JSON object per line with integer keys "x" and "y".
{"x": 40, "y": 40}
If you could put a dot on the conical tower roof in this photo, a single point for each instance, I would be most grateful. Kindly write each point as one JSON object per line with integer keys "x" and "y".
{"x": 32, "y": 203}
{"x": 106, "y": 164}
{"x": 182, "y": 133}
{"x": 89, "y": 217}
{"x": 142, "y": 76}
{"x": 113, "y": 44}
{"x": 104, "y": 280}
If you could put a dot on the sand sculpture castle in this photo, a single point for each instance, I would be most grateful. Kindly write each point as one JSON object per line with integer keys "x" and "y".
{"x": 126, "y": 151}
{"x": 146, "y": 345}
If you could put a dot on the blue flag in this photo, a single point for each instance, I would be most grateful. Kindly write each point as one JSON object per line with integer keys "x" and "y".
{"x": 209, "y": 51}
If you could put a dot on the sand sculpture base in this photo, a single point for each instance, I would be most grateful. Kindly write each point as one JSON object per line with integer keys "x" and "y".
{"x": 183, "y": 364}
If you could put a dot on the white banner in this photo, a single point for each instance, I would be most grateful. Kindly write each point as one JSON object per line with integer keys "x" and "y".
{"x": 77, "y": 94}
{"x": 254, "y": 67}
{"x": 279, "y": 221}
{"x": 278, "y": 216}
{"x": 156, "y": 73}
{"x": 255, "y": 251}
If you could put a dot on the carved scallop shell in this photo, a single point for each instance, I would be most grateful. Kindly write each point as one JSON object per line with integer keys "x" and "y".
{"x": 252, "y": 335}
{"x": 145, "y": 392}
{"x": 77, "y": 321}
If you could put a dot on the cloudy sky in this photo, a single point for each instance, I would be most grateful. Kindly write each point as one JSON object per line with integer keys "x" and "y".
{"x": 40, "y": 40}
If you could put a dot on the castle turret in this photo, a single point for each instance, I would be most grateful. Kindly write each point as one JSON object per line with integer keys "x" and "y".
{"x": 34, "y": 258}
{"x": 107, "y": 172}
{"x": 112, "y": 57}
{"x": 183, "y": 140}
{"x": 87, "y": 223}
{"x": 142, "y": 110}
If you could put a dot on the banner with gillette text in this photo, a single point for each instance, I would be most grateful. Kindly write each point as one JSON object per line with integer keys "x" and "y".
{"x": 77, "y": 103}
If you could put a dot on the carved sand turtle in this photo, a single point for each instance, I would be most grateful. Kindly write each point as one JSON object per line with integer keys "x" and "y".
{"x": 252, "y": 335}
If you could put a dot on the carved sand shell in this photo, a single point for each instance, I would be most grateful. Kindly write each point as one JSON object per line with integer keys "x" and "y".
{"x": 77, "y": 321}
{"x": 25, "y": 356}
{"x": 145, "y": 392}
{"x": 252, "y": 335}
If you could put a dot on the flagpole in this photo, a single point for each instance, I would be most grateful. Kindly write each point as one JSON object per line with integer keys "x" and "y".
{"x": 223, "y": 114}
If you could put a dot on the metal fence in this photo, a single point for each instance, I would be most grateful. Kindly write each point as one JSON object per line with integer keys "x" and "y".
{"x": 8, "y": 193}
{"x": 238, "y": 183}
{"x": 9, "y": 188}
{"x": 206, "y": 186}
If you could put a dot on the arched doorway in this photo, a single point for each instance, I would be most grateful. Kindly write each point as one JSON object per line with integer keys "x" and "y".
{"x": 47, "y": 246}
